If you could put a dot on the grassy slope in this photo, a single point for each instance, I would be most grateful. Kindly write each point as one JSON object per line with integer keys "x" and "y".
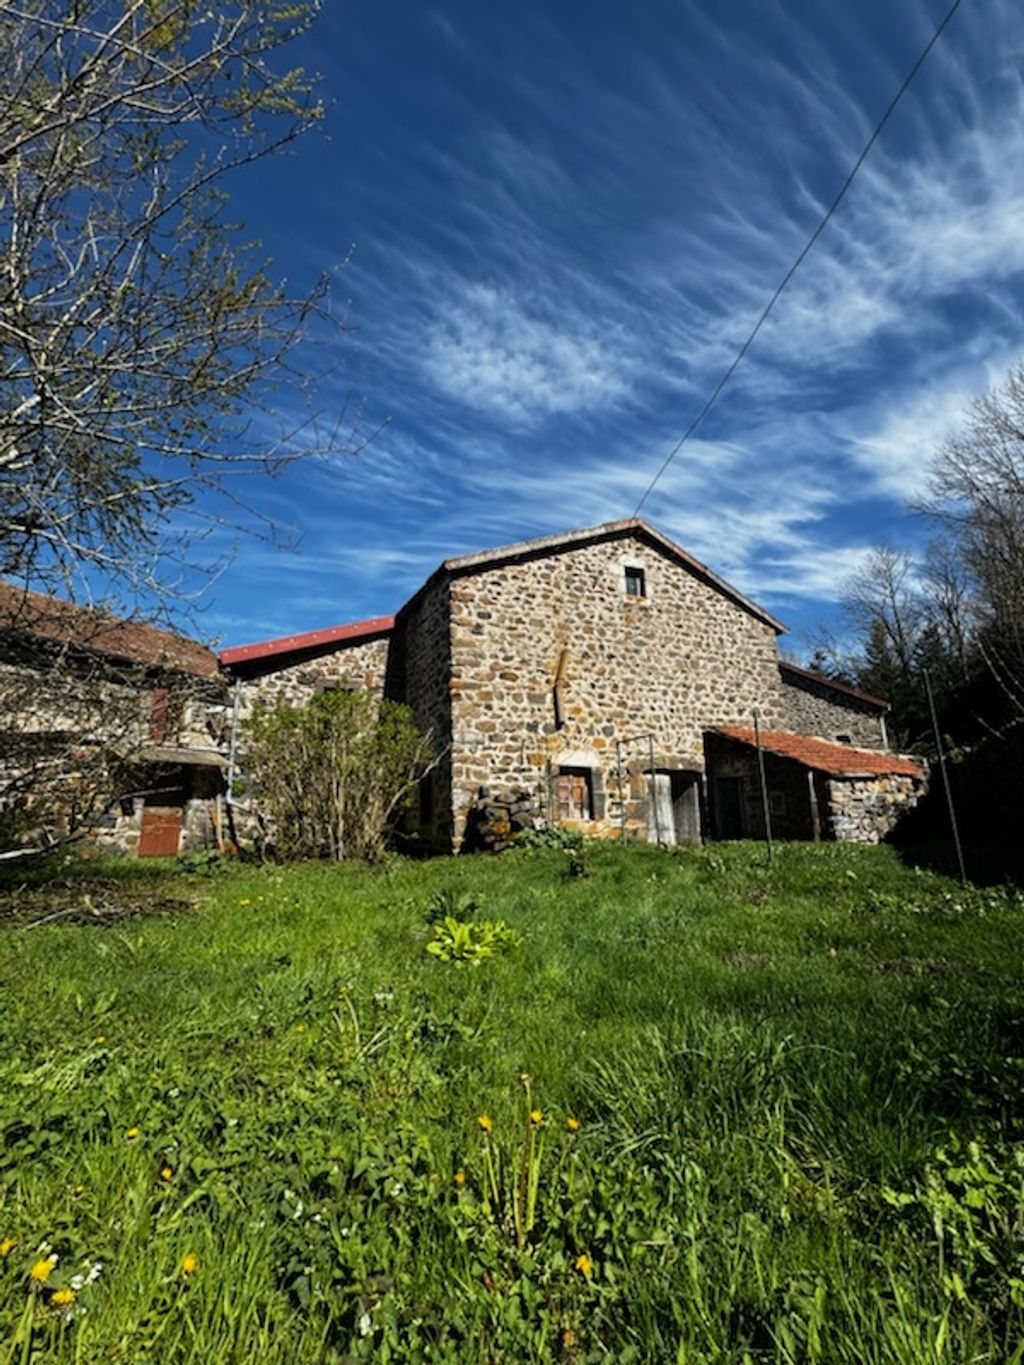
{"x": 754, "y": 1056}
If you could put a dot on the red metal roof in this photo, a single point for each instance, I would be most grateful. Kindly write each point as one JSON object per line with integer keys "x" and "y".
{"x": 312, "y": 639}
{"x": 837, "y": 759}
{"x": 809, "y": 673}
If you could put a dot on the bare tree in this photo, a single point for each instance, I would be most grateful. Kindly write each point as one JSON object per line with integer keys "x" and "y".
{"x": 978, "y": 494}
{"x": 144, "y": 351}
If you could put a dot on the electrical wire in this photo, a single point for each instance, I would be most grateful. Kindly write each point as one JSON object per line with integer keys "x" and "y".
{"x": 709, "y": 404}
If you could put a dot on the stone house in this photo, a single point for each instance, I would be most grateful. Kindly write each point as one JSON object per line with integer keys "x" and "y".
{"x": 606, "y": 680}
{"x": 110, "y": 725}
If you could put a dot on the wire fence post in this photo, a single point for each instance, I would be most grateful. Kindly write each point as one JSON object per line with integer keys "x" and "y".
{"x": 764, "y": 788}
{"x": 622, "y": 793}
{"x": 654, "y": 791}
{"x": 940, "y": 751}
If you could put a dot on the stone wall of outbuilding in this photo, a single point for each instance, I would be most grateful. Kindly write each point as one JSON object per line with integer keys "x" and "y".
{"x": 361, "y": 665}
{"x": 864, "y": 810}
{"x": 812, "y": 708}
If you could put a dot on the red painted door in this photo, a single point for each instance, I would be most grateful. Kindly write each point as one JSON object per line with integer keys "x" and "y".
{"x": 161, "y": 831}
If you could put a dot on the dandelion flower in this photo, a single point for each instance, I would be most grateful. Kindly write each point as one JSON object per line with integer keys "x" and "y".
{"x": 100, "y": 1038}
{"x": 584, "y": 1265}
{"x": 189, "y": 1263}
{"x": 166, "y": 1173}
{"x": 460, "y": 1177}
{"x": 63, "y": 1297}
{"x": 246, "y": 901}
{"x": 7, "y": 1246}
{"x": 132, "y": 1134}
{"x": 573, "y": 1125}
{"x": 43, "y": 1269}
{"x": 486, "y": 1122}
{"x": 536, "y": 1115}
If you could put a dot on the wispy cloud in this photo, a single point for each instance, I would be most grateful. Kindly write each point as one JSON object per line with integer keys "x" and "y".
{"x": 490, "y": 354}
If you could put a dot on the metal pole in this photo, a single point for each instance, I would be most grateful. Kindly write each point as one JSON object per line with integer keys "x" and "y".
{"x": 764, "y": 788}
{"x": 654, "y": 791}
{"x": 622, "y": 793}
{"x": 945, "y": 777}
{"x": 233, "y": 743}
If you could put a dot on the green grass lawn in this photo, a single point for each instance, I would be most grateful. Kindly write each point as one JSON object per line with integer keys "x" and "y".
{"x": 777, "y": 1114}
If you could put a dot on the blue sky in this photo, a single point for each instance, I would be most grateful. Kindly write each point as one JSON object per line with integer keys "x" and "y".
{"x": 565, "y": 219}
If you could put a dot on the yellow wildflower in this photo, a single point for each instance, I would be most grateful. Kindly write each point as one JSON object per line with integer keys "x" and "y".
{"x": 166, "y": 1173}
{"x": 460, "y": 1177}
{"x": 189, "y": 1263}
{"x": 132, "y": 1134}
{"x": 7, "y": 1246}
{"x": 79, "y": 1189}
{"x": 246, "y": 901}
{"x": 300, "y": 1028}
{"x": 62, "y": 1297}
{"x": 536, "y": 1115}
{"x": 568, "y": 1338}
{"x": 100, "y": 1038}
{"x": 486, "y": 1122}
{"x": 573, "y": 1125}
{"x": 43, "y": 1269}
{"x": 584, "y": 1265}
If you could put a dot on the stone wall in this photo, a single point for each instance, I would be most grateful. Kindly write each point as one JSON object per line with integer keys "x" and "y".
{"x": 359, "y": 664}
{"x": 863, "y": 810}
{"x": 813, "y": 708}
{"x": 679, "y": 659}
{"x": 419, "y": 674}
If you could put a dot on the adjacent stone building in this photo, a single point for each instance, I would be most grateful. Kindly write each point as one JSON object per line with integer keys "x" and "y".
{"x": 582, "y": 679}
{"x": 110, "y": 726}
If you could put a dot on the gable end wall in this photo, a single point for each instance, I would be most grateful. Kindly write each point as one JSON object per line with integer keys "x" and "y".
{"x": 682, "y": 659}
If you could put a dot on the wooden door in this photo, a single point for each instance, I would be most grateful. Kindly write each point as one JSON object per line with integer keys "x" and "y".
{"x": 573, "y": 794}
{"x": 161, "y": 832}
{"x": 661, "y": 824}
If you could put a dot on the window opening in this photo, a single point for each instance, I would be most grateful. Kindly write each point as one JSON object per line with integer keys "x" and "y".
{"x": 636, "y": 581}
{"x": 575, "y": 792}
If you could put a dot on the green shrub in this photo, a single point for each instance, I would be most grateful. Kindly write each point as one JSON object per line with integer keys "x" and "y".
{"x": 334, "y": 776}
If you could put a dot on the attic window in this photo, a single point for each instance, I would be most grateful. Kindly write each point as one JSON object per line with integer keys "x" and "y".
{"x": 636, "y": 581}
{"x": 844, "y": 739}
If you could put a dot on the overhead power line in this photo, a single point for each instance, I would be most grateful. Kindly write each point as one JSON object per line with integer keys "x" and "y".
{"x": 713, "y": 397}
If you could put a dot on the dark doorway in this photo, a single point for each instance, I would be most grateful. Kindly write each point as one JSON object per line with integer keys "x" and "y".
{"x": 728, "y": 804}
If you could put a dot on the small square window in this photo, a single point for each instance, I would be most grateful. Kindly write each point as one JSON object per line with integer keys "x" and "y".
{"x": 636, "y": 582}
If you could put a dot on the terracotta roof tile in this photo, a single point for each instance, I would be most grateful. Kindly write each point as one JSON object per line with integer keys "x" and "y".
{"x": 70, "y": 623}
{"x": 839, "y": 760}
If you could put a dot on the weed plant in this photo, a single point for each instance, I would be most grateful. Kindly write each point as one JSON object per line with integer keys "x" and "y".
{"x": 709, "y": 1111}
